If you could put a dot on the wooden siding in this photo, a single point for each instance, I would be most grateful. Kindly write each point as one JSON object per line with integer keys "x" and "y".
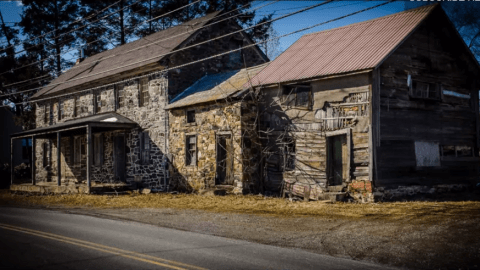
{"x": 432, "y": 55}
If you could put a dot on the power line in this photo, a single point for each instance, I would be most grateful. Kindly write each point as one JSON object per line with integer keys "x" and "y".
{"x": 210, "y": 57}
{"x": 171, "y": 37}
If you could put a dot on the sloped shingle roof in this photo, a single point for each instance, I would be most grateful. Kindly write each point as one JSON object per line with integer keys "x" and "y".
{"x": 354, "y": 47}
{"x": 214, "y": 87}
{"x": 123, "y": 56}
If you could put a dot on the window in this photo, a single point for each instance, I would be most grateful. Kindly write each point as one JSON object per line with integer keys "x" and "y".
{"x": 425, "y": 90}
{"x": 45, "y": 154}
{"x": 455, "y": 151}
{"x": 77, "y": 148}
{"x": 120, "y": 95}
{"x": 144, "y": 95}
{"x": 78, "y": 108}
{"x": 144, "y": 148}
{"x": 191, "y": 150}
{"x": 297, "y": 95}
{"x": 191, "y": 116}
{"x": 26, "y": 148}
{"x": 427, "y": 154}
{"x": 98, "y": 149}
{"x": 61, "y": 110}
{"x": 98, "y": 103}
{"x": 46, "y": 117}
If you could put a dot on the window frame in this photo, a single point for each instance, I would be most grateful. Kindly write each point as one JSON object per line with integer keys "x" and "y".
{"x": 189, "y": 120}
{"x": 78, "y": 107}
{"x": 145, "y": 147}
{"x": 98, "y": 102}
{"x": 47, "y": 113}
{"x": 120, "y": 90}
{"x": 191, "y": 153}
{"x": 144, "y": 94}
{"x": 425, "y": 93}
{"x": 290, "y": 93}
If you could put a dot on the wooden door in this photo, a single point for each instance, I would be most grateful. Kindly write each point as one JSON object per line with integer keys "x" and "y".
{"x": 119, "y": 157}
{"x": 224, "y": 160}
{"x": 338, "y": 165}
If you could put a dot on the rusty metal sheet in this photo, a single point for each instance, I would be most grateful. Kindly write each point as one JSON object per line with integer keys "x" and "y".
{"x": 354, "y": 47}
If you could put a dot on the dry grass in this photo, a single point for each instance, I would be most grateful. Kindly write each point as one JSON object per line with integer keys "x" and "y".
{"x": 428, "y": 212}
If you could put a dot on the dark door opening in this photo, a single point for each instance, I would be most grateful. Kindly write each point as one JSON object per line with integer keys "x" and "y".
{"x": 119, "y": 157}
{"x": 224, "y": 160}
{"x": 337, "y": 160}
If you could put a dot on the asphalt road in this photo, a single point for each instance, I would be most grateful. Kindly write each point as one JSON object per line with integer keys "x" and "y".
{"x": 43, "y": 239}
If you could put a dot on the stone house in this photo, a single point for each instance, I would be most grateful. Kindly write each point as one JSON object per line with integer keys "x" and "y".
{"x": 103, "y": 121}
{"x": 379, "y": 109}
{"x": 213, "y": 137}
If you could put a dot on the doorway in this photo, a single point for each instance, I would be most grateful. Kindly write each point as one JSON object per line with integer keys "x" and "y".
{"x": 338, "y": 160}
{"x": 224, "y": 162}
{"x": 119, "y": 157}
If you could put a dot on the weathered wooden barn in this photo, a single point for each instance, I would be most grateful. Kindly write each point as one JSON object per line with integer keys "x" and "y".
{"x": 213, "y": 137}
{"x": 381, "y": 108}
{"x": 103, "y": 121}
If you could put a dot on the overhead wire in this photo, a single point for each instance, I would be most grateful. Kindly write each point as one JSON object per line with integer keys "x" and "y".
{"x": 203, "y": 59}
{"x": 45, "y": 59}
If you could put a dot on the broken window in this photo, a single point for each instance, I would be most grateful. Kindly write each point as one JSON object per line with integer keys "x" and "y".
{"x": 98, "y": 149}
{"x": 191, "y": 150}
{"x": 191, "y": 116}
{"x": 120, "y": 95}
{"x": 427, "y": 154}
{"x": 425, "y": 90}
{"x": 297, "y": 95}
{"x": 144, "y": 94}
{"x": 144, "y": 148}
{"x": 457, "y": 151}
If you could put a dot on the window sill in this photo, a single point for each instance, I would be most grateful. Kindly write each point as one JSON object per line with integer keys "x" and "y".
{"x": 190, "y": 124}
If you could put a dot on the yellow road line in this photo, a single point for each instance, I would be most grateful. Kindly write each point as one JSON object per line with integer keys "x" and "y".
{"x": 112, "y": 250}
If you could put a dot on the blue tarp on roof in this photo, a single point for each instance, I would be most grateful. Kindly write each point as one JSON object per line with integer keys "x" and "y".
{"x": 207, "y": 82}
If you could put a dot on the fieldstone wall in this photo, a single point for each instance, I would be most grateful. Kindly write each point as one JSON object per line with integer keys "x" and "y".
{"x": 211, "y": 120}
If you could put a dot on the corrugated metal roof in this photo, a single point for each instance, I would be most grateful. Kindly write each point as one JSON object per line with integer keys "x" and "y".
{"x": 215, "y": 86}
{"x": 123, "y": 56}
{"x": 354, "y": 47}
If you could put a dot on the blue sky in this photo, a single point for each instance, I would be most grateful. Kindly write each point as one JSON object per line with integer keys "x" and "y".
{"x": 11, "y": 11}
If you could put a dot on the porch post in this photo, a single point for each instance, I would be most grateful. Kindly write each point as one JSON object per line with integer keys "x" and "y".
{"x": 89, "y": 157}
{"x": 11, "y": 162}
{"x": 33, "y": 165}
{"x": 59, "y": 161}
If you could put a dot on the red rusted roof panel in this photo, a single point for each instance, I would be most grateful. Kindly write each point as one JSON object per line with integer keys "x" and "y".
{"x": 350, "y": 48}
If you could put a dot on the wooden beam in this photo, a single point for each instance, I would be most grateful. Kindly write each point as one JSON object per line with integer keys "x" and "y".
{"x": 89, "y": 157}
{"x": 33, "y": 165}
{"x": 59, "y": 161}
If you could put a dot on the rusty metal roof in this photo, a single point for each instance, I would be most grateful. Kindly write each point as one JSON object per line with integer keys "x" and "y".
{"x": 123, "y": 56}
{"x": 215, "y": 86}
{"x": 355, "y": 47}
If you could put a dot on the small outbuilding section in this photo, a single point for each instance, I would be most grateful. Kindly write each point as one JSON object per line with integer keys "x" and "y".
{"x": 213, "y": 137}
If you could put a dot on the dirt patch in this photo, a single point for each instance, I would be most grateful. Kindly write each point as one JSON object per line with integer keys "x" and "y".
{"x": 426, "y": 235}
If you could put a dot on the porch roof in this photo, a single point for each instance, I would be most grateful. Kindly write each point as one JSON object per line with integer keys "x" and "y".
{"x": 110, "y": 120}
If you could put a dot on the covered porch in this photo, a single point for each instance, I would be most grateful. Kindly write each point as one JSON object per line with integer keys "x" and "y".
{"x": 63, "y": 156}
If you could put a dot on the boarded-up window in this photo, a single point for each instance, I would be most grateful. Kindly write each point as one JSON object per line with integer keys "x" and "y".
{"x": 191, "y": 150}
{"x": 120, "y": 95}
{"x": 77, "y": 148}
{"x": 191, "y": 116}
{"x": 297, "y": 95}
{"x": 144, "y": 94}
{"x": 144, "y": 148}
{"x": 98, "y": 149}
{"x": 427, "y": 154}
{"x": 425, "y": 90}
